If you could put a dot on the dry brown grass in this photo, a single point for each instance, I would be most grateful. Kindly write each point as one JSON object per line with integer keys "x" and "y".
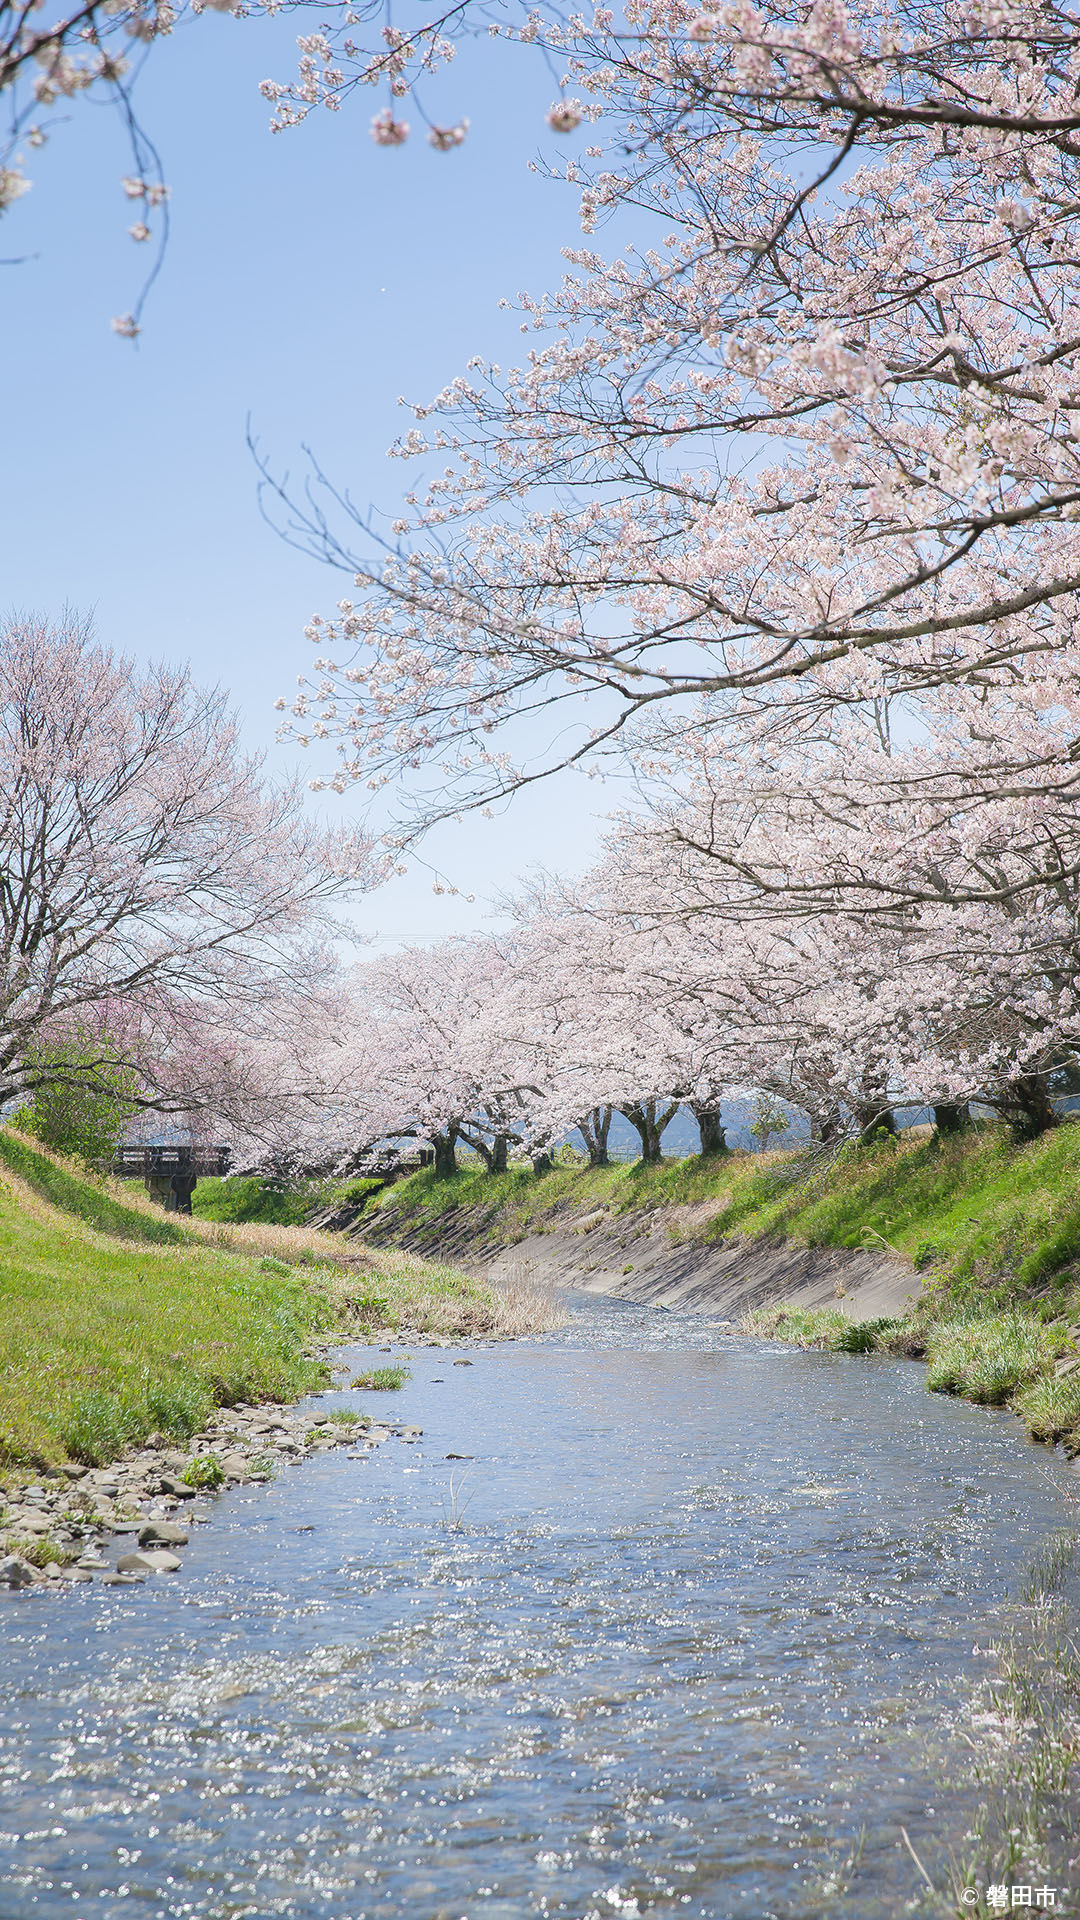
{"x": 530, "y": 1299}
{"x": 379, "y": 1288}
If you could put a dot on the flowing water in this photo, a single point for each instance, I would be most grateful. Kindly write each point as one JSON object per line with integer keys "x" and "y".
{"x": 695, "y": 1632}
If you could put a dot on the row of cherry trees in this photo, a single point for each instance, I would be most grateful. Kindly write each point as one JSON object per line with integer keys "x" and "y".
{"x": 675, "y": 974}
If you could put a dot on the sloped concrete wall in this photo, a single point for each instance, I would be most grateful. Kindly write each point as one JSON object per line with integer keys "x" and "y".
{"x": 644, "y": 1257}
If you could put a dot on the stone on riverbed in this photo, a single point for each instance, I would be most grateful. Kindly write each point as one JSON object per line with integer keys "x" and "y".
{"x": 30, "y": 1520}
{"x": 17, "y": 1572}
{"x": 163, "y": 1533}
{"x": 151, "y": 1560}
{"x": 179, "y": 1489}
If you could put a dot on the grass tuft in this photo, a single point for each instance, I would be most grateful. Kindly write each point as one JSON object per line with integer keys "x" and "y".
{"x": 383, "y": 1379}
{"x": 822, "y": 1327}
{"x": 988, "y": 1358}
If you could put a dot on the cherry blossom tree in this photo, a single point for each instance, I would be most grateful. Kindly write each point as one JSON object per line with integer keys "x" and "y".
{"x": 149, "y": 871}
{"x": 811, "y": 455}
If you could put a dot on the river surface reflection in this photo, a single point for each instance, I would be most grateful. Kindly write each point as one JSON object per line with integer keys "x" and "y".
{"x": 698, "y": 1620}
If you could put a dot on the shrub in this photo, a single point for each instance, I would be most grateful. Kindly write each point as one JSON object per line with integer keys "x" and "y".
{"x": 863, "y": 1336}
{"x": 84, "y": 1097}
{"x": 98, "y": 1427}
{"x": 203, "y": 1470}
{"x": 41, "y": 1553}
{"x": 100, "y": 1424}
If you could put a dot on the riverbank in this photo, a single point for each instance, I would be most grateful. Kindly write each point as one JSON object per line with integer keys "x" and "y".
{"x": 118, "y": 1321}
{"x": 962, "y": 1250}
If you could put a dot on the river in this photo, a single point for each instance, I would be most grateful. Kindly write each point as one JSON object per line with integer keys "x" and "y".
{"x": 697, "y": 1630}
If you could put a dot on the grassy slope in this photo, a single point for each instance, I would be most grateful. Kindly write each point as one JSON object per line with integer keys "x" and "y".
{"x": 110, "y": 1329}
{"x": 104, "y": 1340}
{"x": 979, "y": 1216}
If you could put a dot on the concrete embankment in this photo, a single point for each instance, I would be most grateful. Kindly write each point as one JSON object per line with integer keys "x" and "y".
{"x": 651, "y": 1258}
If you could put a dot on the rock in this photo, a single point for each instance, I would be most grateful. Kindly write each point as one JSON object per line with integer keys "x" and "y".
{"x": 17, "y": 1572}
{"x": 463, "y": 1363}
{"x": 179, "y": 1489}
{"x": 153, "y": 1560}
{"x": 92, "y": 1562}
{"x": 234, "y": 1466}
{"x": 52, "y": 1571}
{"x": 124, "y": 1579}
{"x": 162, "y": 1533}
{"x": 76, "y": 1573}
{"x": 32, "y": 1521}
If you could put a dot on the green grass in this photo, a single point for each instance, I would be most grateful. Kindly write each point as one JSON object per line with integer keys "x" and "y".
{"x": 991, "y": 1357}
{"x": 383, "y": 1379}
{"x": 256, "y": 1199}
{"x": 85, "y": 1198}
{"x": 1002, "y": 1359}
{"x": 117, "y": 1322}
{"x": 103, "y": 1341}
{"x": 251, "y": 1199}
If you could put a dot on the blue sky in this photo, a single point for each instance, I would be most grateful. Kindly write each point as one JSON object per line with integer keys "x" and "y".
{"x": 310, "y": 279}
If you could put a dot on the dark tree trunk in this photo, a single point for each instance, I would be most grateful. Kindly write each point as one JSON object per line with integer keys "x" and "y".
{"x": 826, "y": 1127}
{"x": 649, "y": 1126}
{"x": 492, "y": 1152}
{"x": 875, "y": 1116}
{"x": 713, "y": 1134}
{"x": 594, "y": 1130}
{"x": 445, "y": 1145}
{"x": 952, "y": 1116}
{"x": 542, "y": 1162}
{"x": 1026, "y": 1104}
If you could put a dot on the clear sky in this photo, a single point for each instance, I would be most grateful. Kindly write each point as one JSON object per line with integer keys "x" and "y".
{"x": 310, "y": 279}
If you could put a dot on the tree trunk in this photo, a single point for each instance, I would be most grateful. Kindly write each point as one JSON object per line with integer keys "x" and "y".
{"x": 445, "y": 1145}
{"x": 649, "y": 1125}
{"x": 826, "y": 1127}
{"x": 1026, "y": 1104}
{"x": 875, "y": 1116}
{"x": 594, "y": 1130}
{"x": 713, "y": 1134}
{"x": 542, "y": 1162}
{"x": 497, "y": 1160}
{"x": 952, "y": 1116}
